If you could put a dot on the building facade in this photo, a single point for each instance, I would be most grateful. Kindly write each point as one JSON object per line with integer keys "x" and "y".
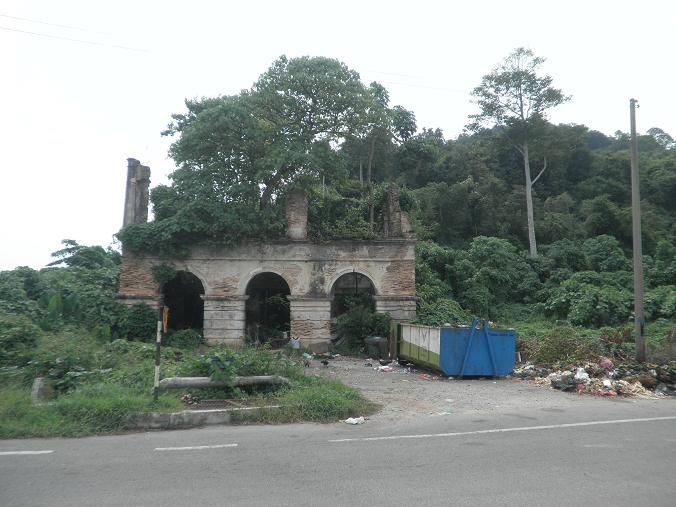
{"x": 308, "y": 274}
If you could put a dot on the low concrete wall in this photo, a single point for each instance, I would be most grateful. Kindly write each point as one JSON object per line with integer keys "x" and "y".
{"x": 195, "y": 418}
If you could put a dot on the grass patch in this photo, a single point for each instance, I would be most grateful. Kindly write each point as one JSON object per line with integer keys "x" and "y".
{"x": 100, "y": 386}
{"x": 318, "y": 399}
{"x": 90, "y": 410}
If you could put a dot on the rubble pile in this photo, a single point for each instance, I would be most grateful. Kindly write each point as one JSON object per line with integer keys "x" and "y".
{"x": 603, "y": 378}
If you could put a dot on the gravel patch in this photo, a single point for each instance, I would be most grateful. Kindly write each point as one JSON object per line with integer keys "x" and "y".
{"x": 410, "y": 393}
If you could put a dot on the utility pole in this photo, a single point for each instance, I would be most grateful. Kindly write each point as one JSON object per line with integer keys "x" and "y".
{"x": 636, "y": 233}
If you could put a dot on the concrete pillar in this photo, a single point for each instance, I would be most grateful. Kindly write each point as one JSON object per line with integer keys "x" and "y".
{"x": 310, "y": 321}
{"x": 296, "y": 215}
{"x": 136, "y": 195}
{"x": 224, "y": 320}
{"x": 401, "y": 308}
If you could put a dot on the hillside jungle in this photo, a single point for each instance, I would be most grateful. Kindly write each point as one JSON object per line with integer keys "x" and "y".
{"x": 311, "y": 123}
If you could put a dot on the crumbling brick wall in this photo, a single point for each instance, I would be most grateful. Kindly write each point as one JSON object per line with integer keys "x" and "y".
{"x": 310, "y": 269}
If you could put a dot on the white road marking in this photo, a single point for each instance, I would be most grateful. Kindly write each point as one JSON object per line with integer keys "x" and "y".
{"x": 16, "y": 453}
{"x": 506, "y": 430}
{"x": 194, "y": 447}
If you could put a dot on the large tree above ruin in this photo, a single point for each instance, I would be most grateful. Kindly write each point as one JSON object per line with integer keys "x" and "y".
{"x": 238, "y": 154}
{"x": 247, "y": 147}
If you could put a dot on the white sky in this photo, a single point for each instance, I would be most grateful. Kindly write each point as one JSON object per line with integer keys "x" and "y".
{"x": 73, "y": 112}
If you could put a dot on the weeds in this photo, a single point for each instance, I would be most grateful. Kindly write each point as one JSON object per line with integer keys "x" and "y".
{"x": 320, "y": 400}
{"x": 90, "y": 410}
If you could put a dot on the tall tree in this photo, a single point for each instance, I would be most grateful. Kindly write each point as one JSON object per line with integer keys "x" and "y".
{"x": 285, "y": 129}
{"x": 514, "y": 99}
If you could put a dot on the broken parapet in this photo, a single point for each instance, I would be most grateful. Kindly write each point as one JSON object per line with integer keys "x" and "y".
{"x": 396, "y": 223}
{"x": 296, "y": 215}
{"x": 136, "y": 196}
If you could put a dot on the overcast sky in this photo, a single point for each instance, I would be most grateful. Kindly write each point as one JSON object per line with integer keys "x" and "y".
{"x": 72, "y": 112}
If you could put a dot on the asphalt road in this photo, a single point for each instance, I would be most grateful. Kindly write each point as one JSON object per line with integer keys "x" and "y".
{"x": 615, "y": 452}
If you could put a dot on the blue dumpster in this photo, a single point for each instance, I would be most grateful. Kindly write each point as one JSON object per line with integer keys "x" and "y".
{"x": 476, "y": 350}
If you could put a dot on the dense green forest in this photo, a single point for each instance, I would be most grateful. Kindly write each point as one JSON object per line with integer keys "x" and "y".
{"x": 311, "y": 123}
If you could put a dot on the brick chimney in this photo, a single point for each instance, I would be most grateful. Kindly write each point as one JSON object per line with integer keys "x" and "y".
{"x": 296, "y": 215}
{"x": 136, "y": 196}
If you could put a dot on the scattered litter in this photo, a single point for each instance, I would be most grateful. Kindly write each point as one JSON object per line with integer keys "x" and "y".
{"x": 190, "y": 399}
{"x": 424, "y": 376}
{"x": 385, "y": 369}
{"x": 605, "y": 363}
{"x": 354, "y": 420}
{"x": 368, "y": 365}
{"x": 603, "y": 378}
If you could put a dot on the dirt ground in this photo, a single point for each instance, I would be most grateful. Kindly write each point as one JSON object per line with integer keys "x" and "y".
{"x": 408, "y": 393}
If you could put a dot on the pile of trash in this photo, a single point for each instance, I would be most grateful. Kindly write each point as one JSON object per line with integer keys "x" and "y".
{"x": 603, "y": 378}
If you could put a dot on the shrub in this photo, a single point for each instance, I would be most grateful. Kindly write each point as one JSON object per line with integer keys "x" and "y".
{"x": 67, "y": 358}
{"x": 604, "y": 253}
{"x": 359, "y": 322}
{"x": 586, "y": 300}
{"x": 566, "y": 254}
{"x": 18, "y": 337}
{"x": 139, "y": 322}
{"x": 562, "y": 344}
{"x": 441, "y": 312}
{"x": 184, "y": 339}
{"x": 660, "y": 302}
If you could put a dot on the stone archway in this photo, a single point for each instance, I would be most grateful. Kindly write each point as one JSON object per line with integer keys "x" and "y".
{"x": 267, "y": 312}
{"x": 183, "y": 295}
{"x": 349, "y": 288}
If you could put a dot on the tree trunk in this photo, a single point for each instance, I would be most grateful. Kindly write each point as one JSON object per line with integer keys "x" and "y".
{"x": 529, "y": 203}
{"x": 370, "y": 182}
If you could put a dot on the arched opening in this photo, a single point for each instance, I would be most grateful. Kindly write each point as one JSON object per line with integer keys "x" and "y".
{"x": 268, "y": 312}
{"x": 182, "y": 295}
{"x": 351, "y": 289}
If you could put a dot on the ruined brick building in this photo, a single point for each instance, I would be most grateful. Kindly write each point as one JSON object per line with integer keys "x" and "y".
{"x": 220, "y": 290}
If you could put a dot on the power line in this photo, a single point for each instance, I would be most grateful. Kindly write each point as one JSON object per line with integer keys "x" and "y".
{"x": 92, "y": 43}
{"x": 53, "y": 24}
{"x": 397, "y": 74}
{"x": 454, "y": 90}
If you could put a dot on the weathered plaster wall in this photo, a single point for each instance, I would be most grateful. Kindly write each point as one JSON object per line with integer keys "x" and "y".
{"x": 309, "y": 269}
